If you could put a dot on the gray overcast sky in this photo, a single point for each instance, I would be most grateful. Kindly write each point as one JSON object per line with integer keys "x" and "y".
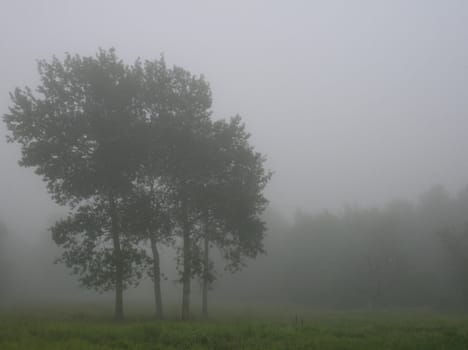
{"x": 352, "y": 101}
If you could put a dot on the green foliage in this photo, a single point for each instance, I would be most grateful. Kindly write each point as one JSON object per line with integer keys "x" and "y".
{"x": 86, "y": 238}
{"x": 133, "y": 150}
{"x": 75, "y": 129}
{"x": 79, "y": 131}
{"x": 234, "y": 197}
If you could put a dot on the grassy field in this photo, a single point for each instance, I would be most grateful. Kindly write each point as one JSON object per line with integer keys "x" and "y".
{"x": 351, "y": 330}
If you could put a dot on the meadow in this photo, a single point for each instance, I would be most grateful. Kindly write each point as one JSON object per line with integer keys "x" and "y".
{"x": 254, "y": 329}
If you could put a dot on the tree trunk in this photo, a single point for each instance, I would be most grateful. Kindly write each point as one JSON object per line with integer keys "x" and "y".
{"x": 119, "y": 313}
{"x": 157, "y": 280}
{"x": 187, "y": 273}
{"x": 206, "y": 272}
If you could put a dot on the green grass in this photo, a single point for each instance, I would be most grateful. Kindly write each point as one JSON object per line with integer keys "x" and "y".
{"x": 351, "y": 330}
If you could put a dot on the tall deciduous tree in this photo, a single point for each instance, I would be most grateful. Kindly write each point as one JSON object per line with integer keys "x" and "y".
{"x": 75, "y": 129}
{"x": 177, "y": 110}
{"x": 233, "y": 200}
{"x": 148, "y": 217}
{"x": 188, "y": 145}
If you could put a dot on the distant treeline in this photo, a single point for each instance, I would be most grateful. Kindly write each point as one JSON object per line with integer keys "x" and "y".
{"x": 403, "y": 255}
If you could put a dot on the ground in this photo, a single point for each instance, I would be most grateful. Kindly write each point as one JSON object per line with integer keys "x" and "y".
{"x": 293, "y": 330}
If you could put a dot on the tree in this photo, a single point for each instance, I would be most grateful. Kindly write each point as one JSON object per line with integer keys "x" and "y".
{"x": 188, "y": 174}
{"x": 210, "y": 174}
{"x": 89, "y": 248}
{"x": 232, "y": 201}
{"x": 148, "y": 217}
{"x": 455, "y": 241}
{"x": 76, "y": 130}
{"x": 379, "y": 248}
{"x": 177, "y": 110}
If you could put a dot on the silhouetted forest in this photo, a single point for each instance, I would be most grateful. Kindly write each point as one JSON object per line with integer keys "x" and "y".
{"x": 405, "y": 254}
{"x": 402, "y": 255}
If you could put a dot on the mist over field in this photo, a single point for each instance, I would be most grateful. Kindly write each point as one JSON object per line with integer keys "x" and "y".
{"x": 360, "y": 108}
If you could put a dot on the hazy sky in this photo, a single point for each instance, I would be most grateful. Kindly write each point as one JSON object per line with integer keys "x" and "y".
{"x": 352, "y": 101}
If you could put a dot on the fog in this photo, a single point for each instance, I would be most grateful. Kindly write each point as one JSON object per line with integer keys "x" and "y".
{"x": 354, "y": 103}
